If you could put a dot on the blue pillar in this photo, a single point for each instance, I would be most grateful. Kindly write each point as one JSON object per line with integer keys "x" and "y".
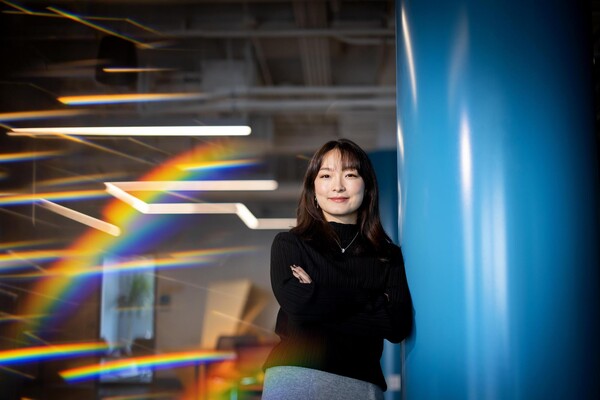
{"x": 384, "y": 162}
{"x": 498, "y": 172}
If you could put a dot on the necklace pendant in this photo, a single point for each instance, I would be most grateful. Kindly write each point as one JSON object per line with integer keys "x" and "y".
{"x": 343, "y": 249}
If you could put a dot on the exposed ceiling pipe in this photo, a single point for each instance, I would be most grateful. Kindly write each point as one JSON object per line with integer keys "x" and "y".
{"x": 282, "y": 91}
{"x": 307, "y": 32}
{"x": 343, "y": 34}
{"x": 316, "y": 90}
{"x": 287, "y": 105}
{"x": 314, "y": 51}
{"x": 261, "y": 60}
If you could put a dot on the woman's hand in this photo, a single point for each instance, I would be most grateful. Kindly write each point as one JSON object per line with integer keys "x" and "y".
{"x": 300, "y": 274}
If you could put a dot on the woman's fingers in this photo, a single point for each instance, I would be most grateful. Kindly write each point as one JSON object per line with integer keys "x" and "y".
{"x": 305, "y": 276}
{"x": 297, "y": 274}
{"x": 300, "y": 279}
{"x": 300, "y": 274}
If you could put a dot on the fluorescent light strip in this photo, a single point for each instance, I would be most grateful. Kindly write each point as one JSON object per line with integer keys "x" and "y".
{"x": 192, "y": 208}
{"x": 117, "y": 189}
{"x": 128, "y": 98}
{"x": 210, "y": 185}
{"x": 132, "y": 70}
{"x": 246, "y": 216}
{"x": 234, "y": 130}
{"x": 127, "y": 198}
{"x": 81, "y": 217}
{"x": 238, "y": 209}
{"x": 275, "y": 223}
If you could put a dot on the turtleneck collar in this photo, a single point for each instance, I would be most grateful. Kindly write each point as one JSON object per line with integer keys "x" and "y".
{"x": 345, "y": 232}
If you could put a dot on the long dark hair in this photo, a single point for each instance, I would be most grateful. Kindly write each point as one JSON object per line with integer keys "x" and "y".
{"x": 311, "y": 221}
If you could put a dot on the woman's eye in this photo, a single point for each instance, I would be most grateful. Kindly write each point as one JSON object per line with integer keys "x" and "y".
{"x": 324, "y": 176}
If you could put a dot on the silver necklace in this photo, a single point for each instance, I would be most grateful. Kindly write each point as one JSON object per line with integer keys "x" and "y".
{"x": 343, "y": 249}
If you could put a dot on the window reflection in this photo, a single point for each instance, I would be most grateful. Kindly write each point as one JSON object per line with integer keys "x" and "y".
{"x": 127, "y": 316}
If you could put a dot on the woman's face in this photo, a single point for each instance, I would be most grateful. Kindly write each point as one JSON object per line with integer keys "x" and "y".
{"x": 339, "y": 192}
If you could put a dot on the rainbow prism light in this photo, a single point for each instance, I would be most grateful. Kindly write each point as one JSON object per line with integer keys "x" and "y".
{"x": 156, "y": 361}
{"x": 31, "y": 354}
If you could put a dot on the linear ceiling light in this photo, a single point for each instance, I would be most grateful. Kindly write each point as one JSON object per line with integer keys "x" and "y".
{"x": 209, "y": 185}
{"x": 234, "y": 130}
{"x": 118, "y": 190}
{"x": 81, "y": 217}
{"x": 134, "y": 70}
{"x": 128, "y": 98}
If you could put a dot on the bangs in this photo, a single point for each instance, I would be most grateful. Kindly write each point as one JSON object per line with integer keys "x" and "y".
{"x": 349, "y": 159}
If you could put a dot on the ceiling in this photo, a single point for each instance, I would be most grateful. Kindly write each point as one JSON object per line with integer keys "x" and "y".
{"x": 297, "y": 72}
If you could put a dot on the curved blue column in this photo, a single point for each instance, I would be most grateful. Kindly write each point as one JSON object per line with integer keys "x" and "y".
{"x": 384, "y": 162}
{"x": 499, "y": 224}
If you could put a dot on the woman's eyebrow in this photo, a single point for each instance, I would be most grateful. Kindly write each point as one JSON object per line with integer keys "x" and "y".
{"x": 333, "y": 169}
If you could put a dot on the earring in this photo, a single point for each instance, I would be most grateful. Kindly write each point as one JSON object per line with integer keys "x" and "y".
{"x": 316, "y": 203}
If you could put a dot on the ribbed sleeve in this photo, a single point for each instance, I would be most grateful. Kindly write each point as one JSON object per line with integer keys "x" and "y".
{"x": 390, "y": 319}
{"x": 338, "y": 322}
{"x": 307, "y": 302}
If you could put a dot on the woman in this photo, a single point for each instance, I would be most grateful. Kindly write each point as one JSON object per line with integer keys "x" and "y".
{"x": 340, "y": 283}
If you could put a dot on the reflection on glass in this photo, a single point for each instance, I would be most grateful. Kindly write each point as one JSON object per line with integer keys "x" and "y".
{"x": 127, "y": 316}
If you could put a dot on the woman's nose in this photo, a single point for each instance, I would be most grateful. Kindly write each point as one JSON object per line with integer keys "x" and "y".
{"x": 338, "y": 185}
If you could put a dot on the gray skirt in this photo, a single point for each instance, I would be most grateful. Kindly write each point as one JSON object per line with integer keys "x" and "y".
{"x": 297, "y": 383}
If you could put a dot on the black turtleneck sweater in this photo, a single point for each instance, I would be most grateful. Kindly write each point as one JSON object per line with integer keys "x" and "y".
{"x": 338, "y": 322}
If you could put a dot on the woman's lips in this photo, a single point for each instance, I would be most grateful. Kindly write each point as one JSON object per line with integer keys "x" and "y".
{"x": 338, "y": 199}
